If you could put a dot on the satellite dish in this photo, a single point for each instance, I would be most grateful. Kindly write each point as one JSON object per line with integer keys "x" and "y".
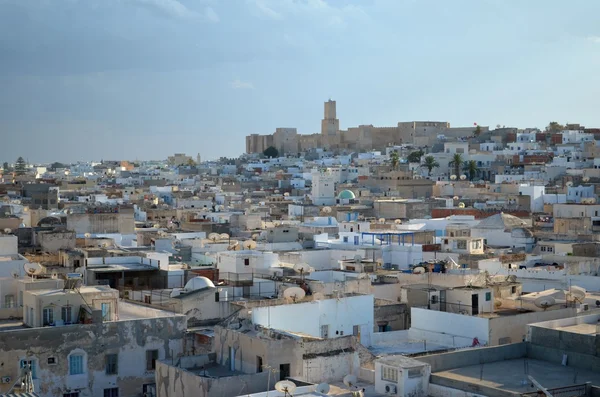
{"x": 381, "y": 220}
{"x": 87, "y": 235}
{"x": 156, "y": 226}
{"x": 350, "y": 380}
{"x": 213, "y": 237}
{"x": 569, "y": 184}
{"x": 327, "y": 210}
{"x": 398, "y": 221}
{"x": 249, "y": 244}
{"x": 286, "y": 194}
{"x": 303, "y": 268}
{"x": 544, "y": 302}
{"x": 16, "y": 274}
{"x": 453, "y": 177}
{"x": 176, "y": 292}
{"x": 497, "y": 303}
{"x": 379, "y": 262}
{"x": 461, "y": 205}
{"x": 419, "y": 270}
{"x": 358, "y": 258}
{"x": 294, "y": 293}
{"x": 234, "y": 246}
{"x": 33, "y": 269}
{"x": 577, "y": 294}
{"x": 285, "y": 386}
{"x": 248, "y": 200}
{"x": 323, "y": 388}
{"x": 455, "y": 198}
{"x": 463, "y": 177}
{"x": 586, "y": 179}
{"x": 317, "y": 296}
{"x": 7, "y": 230}
{"x": 255, "y": 236}
{"x": 224, "y": 236}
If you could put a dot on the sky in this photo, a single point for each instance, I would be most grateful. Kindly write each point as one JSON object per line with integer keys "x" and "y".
{"x": 143, "y": 79}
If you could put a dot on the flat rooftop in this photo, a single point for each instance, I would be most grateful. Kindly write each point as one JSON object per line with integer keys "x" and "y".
{"x": 511, "y": 375}
{"x": 121, "y": 267}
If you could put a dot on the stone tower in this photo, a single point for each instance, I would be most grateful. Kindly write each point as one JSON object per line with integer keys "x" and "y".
{"x": 330, "y": 125}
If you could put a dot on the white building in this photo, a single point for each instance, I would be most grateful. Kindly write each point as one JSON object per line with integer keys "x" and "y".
{"x": 323, "y": 187}
{"x": 326, "y": 318}
{"x": 504, "y": 230}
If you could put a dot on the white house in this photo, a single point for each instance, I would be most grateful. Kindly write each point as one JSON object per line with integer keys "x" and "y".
{"x": 326, "y": 318}
{"x": 504, "y": 230}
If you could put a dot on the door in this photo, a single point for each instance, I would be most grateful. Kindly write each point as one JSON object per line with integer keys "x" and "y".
{"x": 324, "y": 331}
{"x": 284, "y": 371}
{"x": 474, "y": 305}
{"x": 259, "y": 364}
{"x": 356, "y": 331}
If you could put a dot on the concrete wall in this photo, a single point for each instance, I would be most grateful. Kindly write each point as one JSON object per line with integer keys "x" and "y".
{"x": 512, "y": 329}
{"x": 340, "y": 315}
{"x": 8, "y": 245}
{"x": 54, "y": 241}
{"x": 122, "y": 222}
{"x": 450, "y": 324}
{"x": 129, "y": 339}
{"x": 172, "y": 381}
{"x": 464, "y": 358}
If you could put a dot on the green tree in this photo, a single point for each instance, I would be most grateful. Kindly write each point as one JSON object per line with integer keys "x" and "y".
{"x": 191, "y": 163}
{"x": 271, "y": 152}
{"x": 415, "y": 157}
{"x": 456, "y": 163}
{"x": 394, "y": 159}
{"x": 477, "y": 131}
{"x": 6, "y": 167}
{"x": 429, "y": 163}
{"x": 554, "y": 126}
{"x": 20, "y": 166}
{"x": 471, "y": 168}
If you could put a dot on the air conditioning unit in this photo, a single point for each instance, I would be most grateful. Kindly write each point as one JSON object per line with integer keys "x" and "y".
{"x": 6, "y": 379}
{"x": 391, "y": 389}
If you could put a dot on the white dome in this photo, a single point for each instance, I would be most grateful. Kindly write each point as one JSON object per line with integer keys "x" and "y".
{"x": 198, "y": 283}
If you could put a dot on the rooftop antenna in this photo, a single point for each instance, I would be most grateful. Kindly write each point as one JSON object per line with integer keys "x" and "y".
{"x": 286, "y": 387}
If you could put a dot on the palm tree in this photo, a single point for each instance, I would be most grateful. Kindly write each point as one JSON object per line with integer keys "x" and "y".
{"x": 430, "y": 164}
{"x": 456, "y": 163}
{"x": 394, "y": 159}
{"x": 471, "y": 168}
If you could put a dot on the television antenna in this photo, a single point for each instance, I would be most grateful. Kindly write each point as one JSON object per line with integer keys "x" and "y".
{"x": 303, "y": 268}
{"x": 286, "y": 387}
{"x": 323, "y": 388}
{"x": 576, "y": 294}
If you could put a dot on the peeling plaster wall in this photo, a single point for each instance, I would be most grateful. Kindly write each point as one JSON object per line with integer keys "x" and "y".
{"x": 129, "y": 339}
{"x": 172, "y": 381}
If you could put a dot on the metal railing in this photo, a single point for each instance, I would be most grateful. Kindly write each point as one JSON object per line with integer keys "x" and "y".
{"x": 567, "y": 391}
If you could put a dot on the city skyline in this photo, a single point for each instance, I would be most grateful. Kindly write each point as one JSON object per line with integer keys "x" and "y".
{"x": 112, "y": 86}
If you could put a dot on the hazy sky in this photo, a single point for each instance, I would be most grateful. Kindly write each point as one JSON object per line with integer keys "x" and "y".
{"x": 112, "y": 79}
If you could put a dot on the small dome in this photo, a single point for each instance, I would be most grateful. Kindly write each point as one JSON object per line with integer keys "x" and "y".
{"x": 199, "y": 282}
{"x": 346, "y": 195}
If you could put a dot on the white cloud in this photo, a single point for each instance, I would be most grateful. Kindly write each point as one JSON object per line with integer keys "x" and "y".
{"x": 175, "y": 9}
{"x": 241, "y": 85}
{"x": 594, "y": 39}
{"x": 265, "y": 10}
{"x": 211, "y": 15}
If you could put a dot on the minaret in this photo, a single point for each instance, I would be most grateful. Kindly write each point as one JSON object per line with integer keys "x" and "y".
{"x": 330, "y": 126}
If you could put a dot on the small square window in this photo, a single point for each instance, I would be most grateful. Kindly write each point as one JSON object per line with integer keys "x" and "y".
{"x": 51, "y": 360}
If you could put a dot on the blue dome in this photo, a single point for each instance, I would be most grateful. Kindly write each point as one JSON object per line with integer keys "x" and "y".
{"x": 346, "y": 195}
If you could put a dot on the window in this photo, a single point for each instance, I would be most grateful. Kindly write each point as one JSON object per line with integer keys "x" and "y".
{"x": 325, "y": 331}
{"x": 65, "y": 313}
{"x": 390, "y": 374}
{"x": 111, "y": 364}
{"x": 345, "y": 239}
{"x": 72, "y": 394}
{"x": 106, "y": 312}
{"x": 461, "y": 244}
{"x": 246, "y": 261}
{"x": 30, "y": 365}
{"x": 76, "y": 364}
{"x": 51, "y": 360}
{"x": 112, "y": 392}
{"x": 488, "y": 296}
{"x": 9, "y": 301}
{"x": 151, "y": 357}
{"x": 543, "y": 248}
{"x": 149, "y": 390}
{"x": 414, "y": 372}
{"x": 48, "y": 316}
{"x": 513, "y": 290}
